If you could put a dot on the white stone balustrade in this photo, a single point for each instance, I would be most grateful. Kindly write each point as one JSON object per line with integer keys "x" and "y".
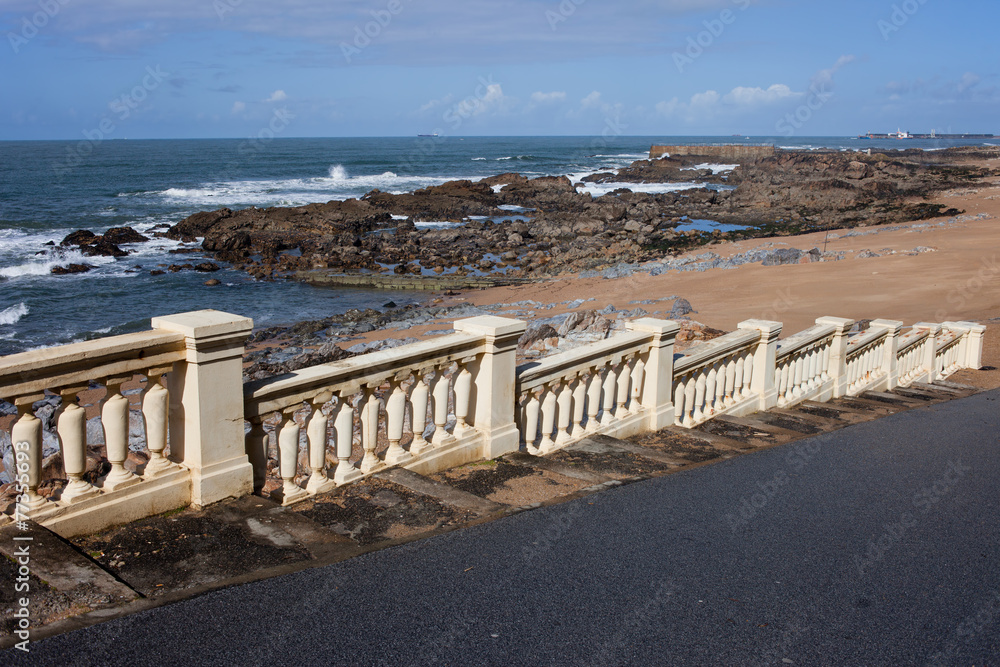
{"x": 462, "y": 379}
{"x": 186, "y": 349}
{"x": 619, "y": 386}
{"x": 426, "y": 406}
{"x": 715, "y": 377}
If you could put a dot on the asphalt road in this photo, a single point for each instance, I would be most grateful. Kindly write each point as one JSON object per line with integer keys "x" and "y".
{"x": 875, "y": 545}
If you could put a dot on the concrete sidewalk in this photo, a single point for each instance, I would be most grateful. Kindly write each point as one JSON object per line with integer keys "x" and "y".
{"x": 172, "y": 557}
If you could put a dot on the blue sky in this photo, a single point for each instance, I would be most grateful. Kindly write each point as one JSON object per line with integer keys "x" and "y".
{"x": 227, "y": 68}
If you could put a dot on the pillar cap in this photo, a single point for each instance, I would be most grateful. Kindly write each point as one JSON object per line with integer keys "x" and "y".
{"x": 204, "y": 324}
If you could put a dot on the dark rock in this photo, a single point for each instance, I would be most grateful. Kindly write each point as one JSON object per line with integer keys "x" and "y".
{"x": 118, "y": 235}
{"x": 71, "y": 268}
{"x": 79, "y": 237}
{"x": 212, "y": 282}
{"x": 681, "y": 308}
{"x": 207, "y": 267}
{"x": 782, "y": 256}
{"x": 535, "y": 333}
{"x": 157, "y": 272}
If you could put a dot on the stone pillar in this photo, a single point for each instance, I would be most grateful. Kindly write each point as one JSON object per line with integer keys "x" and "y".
{"x": 764, "y": 361}
{"x": 929, "y": 357}
{"x": 838, "y": 352}
{"x": 974, "y": 358}
{"x": 657, "y": 386}
{"x": 889, "y": 365}
{"x": 206, "y": 404}
{"x": 494, "y": 373}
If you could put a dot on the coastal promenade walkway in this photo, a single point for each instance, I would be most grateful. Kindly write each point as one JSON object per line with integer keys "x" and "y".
{"x": 876, "y": 544}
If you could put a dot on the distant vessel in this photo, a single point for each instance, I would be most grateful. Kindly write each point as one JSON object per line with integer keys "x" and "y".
{"x": 900, "y": 134}
{"x": 428, "y": 135}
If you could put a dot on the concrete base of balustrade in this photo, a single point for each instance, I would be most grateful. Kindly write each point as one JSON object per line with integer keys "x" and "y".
{"x": 166, "y": 492}
{"x": 820, "y": 394}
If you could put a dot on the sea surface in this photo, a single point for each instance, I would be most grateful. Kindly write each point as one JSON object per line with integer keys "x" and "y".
{"x": 51, "y": 188}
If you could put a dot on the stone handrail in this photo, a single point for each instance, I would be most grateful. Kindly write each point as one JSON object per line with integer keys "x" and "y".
{"x": 426, "y": 406}
{"x": 804, "y": 364}
{"x": 614, "y": 386}
{"x": 188, "y": 352}
{"x": 457, "y": 376}
{"x": 714, "y": 377}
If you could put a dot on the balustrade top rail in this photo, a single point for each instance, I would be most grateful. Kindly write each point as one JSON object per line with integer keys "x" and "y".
{"x": 862, "y": 341}
{"x": 75, "y": 364}
{"x": 804, "y": 339}
{"x": 710, "y": 351}
{"x": 265, "y": 396}
{"x": 586, "y": 358}
{"x": 910, "y": 339}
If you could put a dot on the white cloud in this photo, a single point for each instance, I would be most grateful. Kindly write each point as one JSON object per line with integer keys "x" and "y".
{"x": 277, "y": 96}
{"x": 823, "y": 79}
{"x": 968, "y": 80}
{"x": 748, "y": 97}
{"x": 239, "y": 107}
{"x": 591, "y": 101}
{"x": 548, "y": 98}
{"x": 704, "y": 100}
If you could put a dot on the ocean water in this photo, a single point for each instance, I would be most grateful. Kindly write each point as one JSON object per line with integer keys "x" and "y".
{"x": 51, "y": 188}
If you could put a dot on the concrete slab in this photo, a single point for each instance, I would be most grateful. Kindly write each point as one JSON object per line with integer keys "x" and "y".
{"x": 558, "y": 467}
{"x": 62, "y": 567}
{"x": 757, "y": 424}
{"x": 716, "y": 441}
{"x": 442, "y": 492}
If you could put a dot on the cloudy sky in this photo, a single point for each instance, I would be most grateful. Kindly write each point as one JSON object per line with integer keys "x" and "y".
{"x": 225, "y": 68}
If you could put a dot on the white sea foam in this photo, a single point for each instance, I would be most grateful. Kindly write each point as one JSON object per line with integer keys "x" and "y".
{"x": 338, "y": 184}
{"x": 12, "y": 314}
{"x": 716, "y": 168}
{"x": 498, "y": 188}
{"x": 399, "y": 217}
{"x": 598, "y": 189}
{"x": 478, "y": 159}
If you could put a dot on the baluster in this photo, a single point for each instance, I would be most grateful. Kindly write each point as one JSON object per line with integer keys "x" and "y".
{"x": 548, "y": 419}
{"x": 395, "y": 413}
{"x": 690, "y": 390}
{"x": 343, "y": 426}
{"x": 256, "y": 448}
{"x": 781, "y": 377}
{"x": 564, "y": 406}
{"x": 418, "y": 404}
{"x": 71, "y": 427}
{"x": 638, "y": 373}
{"x": 720, "y": 385}
{"x": 114, "y": 419}
{"x": 747, "y": 374}
{"x": 316, "y": 433}
{"x": 440, "y": 397}
{"x": 579, "y": 402}
{"x": 26, "y": 436}
{"x": 711, "y": 380}
{"x": 463, "y": 394}
{"x": 730, "y": 386}
{"x": 594, "y": 400}
{"x": 155, "y": 410}
{"x": 622, "y": 389}
{"x": 531, "y": 411}
{"x": 608, "y": 396}
{"x": 699, "y": 395}
{"x": 369, "y": 429}
{"x": 814, "y": 368}
{"x": 799, "y": 377}
{"x": 288, "y": 458}
{"x": 679, "y": 409}
{"x": 738, "y": 380}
